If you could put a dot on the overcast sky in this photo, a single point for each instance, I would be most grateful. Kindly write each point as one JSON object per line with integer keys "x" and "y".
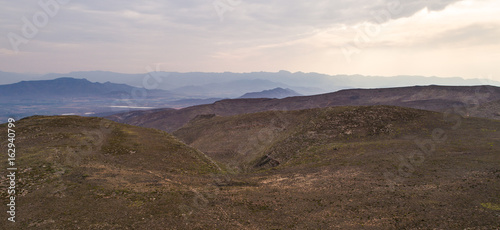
{"x": 371, "y": 37}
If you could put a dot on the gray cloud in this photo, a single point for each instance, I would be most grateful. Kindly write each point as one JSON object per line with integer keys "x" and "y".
{"x": 325, "y": 12}
{"x": 110, "y": 20}
{"x": 189, "y": 29}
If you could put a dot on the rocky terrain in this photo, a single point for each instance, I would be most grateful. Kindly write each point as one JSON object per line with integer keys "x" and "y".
{"x": 376, "y": 167}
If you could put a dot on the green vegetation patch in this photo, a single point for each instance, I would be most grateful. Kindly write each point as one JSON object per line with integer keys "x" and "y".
{"x": 491, "y": 206}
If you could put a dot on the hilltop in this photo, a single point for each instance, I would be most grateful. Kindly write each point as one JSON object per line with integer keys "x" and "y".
{"x": 92, "y": 172}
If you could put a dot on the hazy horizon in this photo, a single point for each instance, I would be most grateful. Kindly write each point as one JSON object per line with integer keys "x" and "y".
{"x": 487, "y": 78}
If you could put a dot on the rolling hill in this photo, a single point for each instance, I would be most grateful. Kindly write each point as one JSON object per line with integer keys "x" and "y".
{"x": 79, "y": 172}
{"x": 436, "y": 98}
{"x": 278, "y": 135}
{"x": 377, "y": 167}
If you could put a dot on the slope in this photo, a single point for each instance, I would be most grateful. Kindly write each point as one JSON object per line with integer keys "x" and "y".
{"x": 273, "y": 138}
{"x": 489, "y": 110}
{"x": 379, "y": 167}
{"x": 92, "y": 173}
{"x": 376, "y": 167}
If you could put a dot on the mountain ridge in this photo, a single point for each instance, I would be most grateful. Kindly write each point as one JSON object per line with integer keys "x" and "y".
{"x": 67, "y": 87}
{"x": 272, "y": 93}
{"x": 436, "y": 98}
{"x": 214, "y": 84}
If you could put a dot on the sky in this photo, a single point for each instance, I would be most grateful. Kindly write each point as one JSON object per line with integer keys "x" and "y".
{"x": 444, "y": 38}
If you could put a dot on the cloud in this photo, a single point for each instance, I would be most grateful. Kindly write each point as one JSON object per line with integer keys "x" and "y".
{"x": 292, "y": 13}
{"x": 126, "y": 35}
{"x": 111, "y": 20}
{"x": 467, "y": 36}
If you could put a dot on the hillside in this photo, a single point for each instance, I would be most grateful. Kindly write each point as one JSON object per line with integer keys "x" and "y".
{"x": 279, "y": 135}
{"x": 436, "y": 98}
{"x": 97, "y": 174}
{"x": 489, "y": 110}
{"x": 378, "y": 167}
{"x": 272, "y": 93}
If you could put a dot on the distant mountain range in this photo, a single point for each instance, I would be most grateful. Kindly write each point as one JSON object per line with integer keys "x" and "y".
{"x": 79, "y": 97}
{"x": 436, "y": 98}
{"x": 229, "y": 89}
{"x": 233, "y": 85}
{"x": 83, "y": 97}
{"x": 272, "y": 93}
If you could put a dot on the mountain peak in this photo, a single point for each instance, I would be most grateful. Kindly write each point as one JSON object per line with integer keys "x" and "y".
{"x": 272, "y": 93}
